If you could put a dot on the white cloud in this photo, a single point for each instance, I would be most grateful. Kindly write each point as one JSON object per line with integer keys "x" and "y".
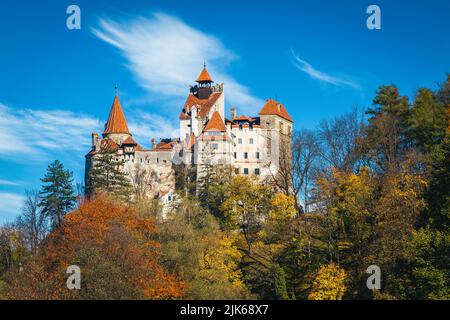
{"x": 35, "y": 134}
{"x": 321, "y": 76}
{"x": 166, "y": 55}
{"x": 10, "y": 206}
{"x": 8, "y": 183}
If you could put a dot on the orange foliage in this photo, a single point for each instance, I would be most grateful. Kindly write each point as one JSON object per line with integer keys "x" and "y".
{"x": 116, "y": 251}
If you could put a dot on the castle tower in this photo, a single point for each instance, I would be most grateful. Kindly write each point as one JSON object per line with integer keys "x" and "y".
{"x": 204, "y": 81}
{"x": 116, "y": 127}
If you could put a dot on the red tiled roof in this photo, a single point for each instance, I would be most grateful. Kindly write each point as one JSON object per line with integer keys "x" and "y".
{"x": 109, "y": 145}
{"x": 243, "y": 118}
{"x": 116, "y": 121}
{"x": 163, "y": 145}
{"x": 204, "y": 105}
{"x": 273, "y": 107}
{"x": 129, "y": 141}
{"x": 215, "y": 123}
{"x": 204, "y": 76}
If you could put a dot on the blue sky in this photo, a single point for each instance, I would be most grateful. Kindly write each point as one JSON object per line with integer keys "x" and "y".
{"x": 316, "y": 57}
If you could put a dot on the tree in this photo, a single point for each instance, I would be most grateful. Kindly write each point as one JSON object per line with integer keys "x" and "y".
{"x": 107, "y": 175}
{"x": 428, "y": 120}
{"x": 280, "y": 283}
{"x": 32, "y": 222}
{"x": 213, "y": 188}
{"x": 339, "y": 141}
{"x": 203, "y": 256}
{"x": 57, "y": 194}
{"x": 246, "y": 207}
{"x": 295, "y": 172}
{"x": 329, "y": 283}
{"x": 116, "y": 250}
{"x": 388, "y": 134}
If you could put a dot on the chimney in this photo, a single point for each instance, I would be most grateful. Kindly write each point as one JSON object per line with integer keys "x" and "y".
{"x": 233, "y": 113}
{"x": 153, "y": 143}
{"x": 279, "y": 107}
{"x": 94, "y": 138}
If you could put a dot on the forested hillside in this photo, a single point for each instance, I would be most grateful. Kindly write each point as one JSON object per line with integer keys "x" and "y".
{"x": 370, "y": 187}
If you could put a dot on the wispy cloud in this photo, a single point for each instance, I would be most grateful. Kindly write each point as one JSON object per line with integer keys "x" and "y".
{"x": 8, "y": 183}
{"x": 166, "y": 55}
{"x": 36, "y": 134}
{"x": 319, "y": 75}
{"x": 10, "y": 206}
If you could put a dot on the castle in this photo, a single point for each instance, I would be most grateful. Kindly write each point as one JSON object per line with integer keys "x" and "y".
{"x": 250, "y": 145}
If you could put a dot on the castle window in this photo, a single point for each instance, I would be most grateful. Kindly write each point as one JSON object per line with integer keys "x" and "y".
{"x": 257, "y": 155}
{"x": 236, "y": 170}
{"x": 251, "y": 140}
{"x": 257, "y": 172}
{"x": 240, "y": 141}
{"x": 157, "y": 160}
{"x": 215, "y": 146}
{"x": 245, "y": 155}
{"x": 245, "y": 170}
{"x": 235, "y": 155}
{"x": 240, "y": 127}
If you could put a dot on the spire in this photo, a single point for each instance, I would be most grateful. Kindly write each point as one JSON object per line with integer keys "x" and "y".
{"x": 116, "y": 121}
{"x": 215, "y": 123}
{"x": 204, "y": 76}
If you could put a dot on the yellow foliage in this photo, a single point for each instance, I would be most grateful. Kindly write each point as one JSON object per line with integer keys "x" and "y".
{"x": 329, "y": 283}
{"x": 282, "y": 207}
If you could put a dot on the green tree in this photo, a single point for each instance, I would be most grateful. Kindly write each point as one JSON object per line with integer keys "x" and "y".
{"x": 57, "y": 193}
{"x": 387, "y": 134}
{"x": 280, "y": 282}
{"x": 428, "y": 119}
{"x": 107, "y": 175}
{"x": 201, "y": 254}
{"x": 213, "y": 188}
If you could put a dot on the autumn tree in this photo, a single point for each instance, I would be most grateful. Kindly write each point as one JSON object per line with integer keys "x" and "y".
{"x": 329, "y": 283}
{"x": 116, "y": 250}
{"x": 201, "y": 254}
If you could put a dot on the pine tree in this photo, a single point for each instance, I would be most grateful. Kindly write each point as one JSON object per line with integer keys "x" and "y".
{"x": 57, "y": 194}
{"x": 107, "y": 176}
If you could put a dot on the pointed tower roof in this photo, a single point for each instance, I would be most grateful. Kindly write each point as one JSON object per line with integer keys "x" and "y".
{"x": 204, "y": 76}
{"x": 116, "y": 121}
{"x": 215, "y": 123}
